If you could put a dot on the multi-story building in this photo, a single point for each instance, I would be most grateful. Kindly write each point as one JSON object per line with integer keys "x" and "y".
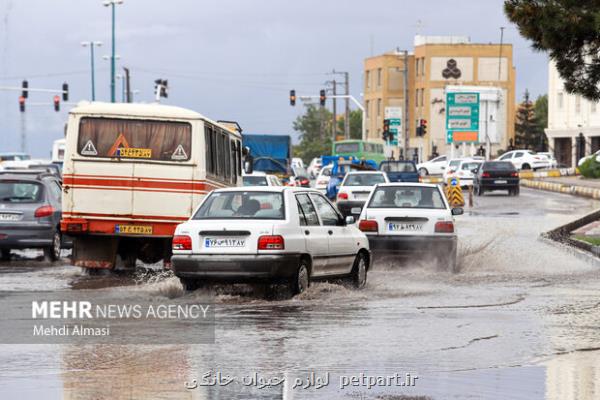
{"x": 439, "y": 62}
{"x": 573, "y": 122}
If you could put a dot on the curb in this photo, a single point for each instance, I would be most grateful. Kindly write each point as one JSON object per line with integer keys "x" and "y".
{"x": 550, "y": 173}
{"x": 582, "y": 191}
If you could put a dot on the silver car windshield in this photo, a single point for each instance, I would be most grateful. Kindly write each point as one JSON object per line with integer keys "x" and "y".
{"x": 20, "y": 192}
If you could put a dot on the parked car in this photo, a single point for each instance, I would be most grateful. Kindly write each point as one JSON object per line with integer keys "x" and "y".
{"x": 435, "y": 166}
{"x": 525, "y": 159}
{"x": 464, "y": 171}
{"x": 355, "y": 190}
{"x": 30, "y": 212}
{"x": 400, "y": 171}
{"x": 584, "y": 159}
{"x": 323, "y": 179}
{"x": 314, "y": 167}
{"x": 274, "y": 234}
{"x": 410, "y": 220}
{"x": 553, "y": 163}
{"x": 496, "y": 175}
{"x": 260, "y": 179}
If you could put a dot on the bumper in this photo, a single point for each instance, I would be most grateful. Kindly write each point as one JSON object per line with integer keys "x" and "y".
{"x": 490, "y": 184}
{"x": 403, "y": 246}
{"x": 346, "y": 207}
{"x": 238, "y": 268}
{"x": 26, "y": 237}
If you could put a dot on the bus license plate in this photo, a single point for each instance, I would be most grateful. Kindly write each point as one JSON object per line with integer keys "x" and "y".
{"x": 134, "y": 229}
{"x": 404, "y": 227}
{"x": 224, "y": 242}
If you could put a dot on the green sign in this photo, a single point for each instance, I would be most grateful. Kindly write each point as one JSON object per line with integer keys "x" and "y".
{"x": 462, "y": 117}
{"x": 395, "y": 125}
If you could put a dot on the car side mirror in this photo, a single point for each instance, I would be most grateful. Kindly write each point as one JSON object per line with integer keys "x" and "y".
{"x": 249, "y": 165}
{"x": 349, "y": 220}
{"x": 458, "y": 211}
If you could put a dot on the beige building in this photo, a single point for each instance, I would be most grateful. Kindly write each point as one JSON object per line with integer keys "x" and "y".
{"x": 437, "y": 63}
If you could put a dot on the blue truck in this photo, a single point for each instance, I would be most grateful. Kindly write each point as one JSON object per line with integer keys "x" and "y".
{"x": 400, "y": 170}
{"x": 272, "y": 154}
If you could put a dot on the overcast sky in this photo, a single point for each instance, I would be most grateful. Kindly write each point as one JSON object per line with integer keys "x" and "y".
{"x": 227, "y": 59}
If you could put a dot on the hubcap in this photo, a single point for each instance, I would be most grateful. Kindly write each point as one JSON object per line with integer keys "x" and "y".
{"x": 362, "y": 272}
{"x": 302, "y": 279}
{"x": 57, "y": 245}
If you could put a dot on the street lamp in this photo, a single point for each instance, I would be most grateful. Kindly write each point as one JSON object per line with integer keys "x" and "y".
{"x": 92, "y": 44}
{"x": 112, "y": 3}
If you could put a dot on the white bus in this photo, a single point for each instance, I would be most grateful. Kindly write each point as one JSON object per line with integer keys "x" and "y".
{"x": 132, "y": 172}
{"x": 58, "y": 151}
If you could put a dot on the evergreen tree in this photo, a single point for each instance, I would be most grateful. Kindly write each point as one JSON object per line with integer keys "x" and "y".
{"x": 540, "y": 110}
{"x": 569, "y": 30}
{"x": 526, "y": 127}
{"x": 315, "y": 133}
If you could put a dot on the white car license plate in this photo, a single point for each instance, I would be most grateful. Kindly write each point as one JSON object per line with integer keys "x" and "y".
{"x": 410, "y": 227}
{"x": 361, "y": 196}
{"x": 10, "y": 217}
{"x": 355, "y": 210}
{"x": 224, "y": 242}
{"x": 500, "y": 181}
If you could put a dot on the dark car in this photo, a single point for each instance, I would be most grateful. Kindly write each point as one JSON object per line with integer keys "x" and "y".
{"x": 400, "y": 171}
{"x": 496, "y": 175}
{"x": 30, "y": 212}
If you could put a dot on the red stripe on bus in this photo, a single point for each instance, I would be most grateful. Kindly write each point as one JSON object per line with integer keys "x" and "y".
{"x": 121, "y": 177}
{"x": 138, "y": 183}
{"x": 130, "y": 189}
{"x": 108, "y": 227}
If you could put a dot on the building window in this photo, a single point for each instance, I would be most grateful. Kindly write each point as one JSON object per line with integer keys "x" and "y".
{"x": 417, "y": 66}
{"x": 423, "y": 66}
{"x": 368, "y": 105}
{"x": 417, "y": 98}
{"x": 368, "y": 79}
{"x": 560, "y": 101}
{"x": 577, "y": 104}
{"x": 378, "y": 77}
{"x": 378, "y": 107}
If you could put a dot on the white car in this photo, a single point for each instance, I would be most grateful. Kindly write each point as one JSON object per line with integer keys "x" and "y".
{"x": 410, "y": 220}
{"x": 323, "y": 178}
{"x": 297, "y": 163}
{"x": 584, "y": 159}
{"x": 434, "y": 166}
{"x": 260, "y": 179}
{"x": 525, "y": 159}
{"x": 314, "y": 167}
{"x": 551, "y": 159}
{"x": 464, "y": 171}
{"x": 452, "y": 167}
{"x": 355, "y": 190}
{"x": 272, "y": 234}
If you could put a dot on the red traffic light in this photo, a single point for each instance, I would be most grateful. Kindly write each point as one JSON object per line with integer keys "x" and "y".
{"x": 22, "y": 103}
{"x": 56, "y": 103}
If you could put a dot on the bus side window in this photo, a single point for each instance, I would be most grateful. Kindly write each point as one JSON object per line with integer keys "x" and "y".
{"x": 210, "y": 154}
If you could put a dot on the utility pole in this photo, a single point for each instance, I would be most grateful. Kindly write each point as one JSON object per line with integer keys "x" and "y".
{"x": 92, "y": 44}
{"x": 127, "y": 85}
{"x": 334, "y": 133}
{"x": 347, "y": 118}
{"x": 406, "y": 121}
{"x": 23, "y": 134}
{"x": 112, "y": 3}
{"x": 500, "y": 53}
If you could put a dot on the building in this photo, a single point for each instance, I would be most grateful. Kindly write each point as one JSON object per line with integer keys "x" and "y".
{"x": 436, "y": 63}
{"x": 573, "y": 122}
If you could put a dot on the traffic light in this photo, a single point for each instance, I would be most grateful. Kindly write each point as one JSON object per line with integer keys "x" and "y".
{"x": 423, "y": 127}
{"x": 65, "y": 94}
{"x": 386, "y": 130}
{"x": 322, "y": 97}
{"x": 22, "y": 103}
{"x": 25, "y": 92}
{"x": 56, "y": 103}
{"x": 292, "y": 97}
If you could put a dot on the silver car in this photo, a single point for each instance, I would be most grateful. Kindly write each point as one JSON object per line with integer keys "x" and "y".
{"x": 30, "y": 212}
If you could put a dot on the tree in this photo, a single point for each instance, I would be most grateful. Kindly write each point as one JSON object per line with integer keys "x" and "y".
{"x": 526, "y": 124}
{"x": 315, "y": 133}
{"x": 355, "y": 124}
{"x": 540, "y": 110}
{"x": 569, "y": 30}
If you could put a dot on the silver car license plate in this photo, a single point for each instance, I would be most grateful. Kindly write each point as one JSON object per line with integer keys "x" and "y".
{"x": 224, "y": 242}
{"x": 500, "y": 182}
{"x": 10, "y": 217}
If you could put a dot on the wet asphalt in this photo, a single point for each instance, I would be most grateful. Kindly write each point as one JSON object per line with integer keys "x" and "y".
{"x": 520, "y": 320}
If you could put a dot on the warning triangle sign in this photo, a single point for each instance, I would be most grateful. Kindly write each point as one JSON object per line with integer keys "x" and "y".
{"x": 89, "y": 149}
{"x": 119, "y": 143}
{"x": 179, "y": 154}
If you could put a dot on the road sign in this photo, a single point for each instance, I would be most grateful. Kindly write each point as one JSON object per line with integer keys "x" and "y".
{"x": 394, "y": 114}
{"x": 453, "y": 182}
{"x": 462, "y": 117}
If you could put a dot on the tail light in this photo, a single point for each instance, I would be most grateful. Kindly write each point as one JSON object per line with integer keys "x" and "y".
{"x": 342, "y": 196}
{"x": 514, "y": 174}
{"x": 44, "y": 211}
{"x": 444, "y": 227}
{"x": 274, "y": 242}
{"x": 485, "y": 175}
{"x": 182, "y": 242}
{"x": 368, "y": 225}
{"x": 304, "y": 182}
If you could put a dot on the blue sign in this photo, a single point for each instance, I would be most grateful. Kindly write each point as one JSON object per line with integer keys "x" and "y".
{"x": 453, "y": 182}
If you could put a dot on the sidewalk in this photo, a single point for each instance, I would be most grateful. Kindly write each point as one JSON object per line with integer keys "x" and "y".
{"x": 574, "y": 185}
{"x": 576, "y": 180}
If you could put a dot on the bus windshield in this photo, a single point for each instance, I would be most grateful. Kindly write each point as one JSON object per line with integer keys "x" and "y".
{"x": 342, "y": 148}
{"x": 136, "y": 139}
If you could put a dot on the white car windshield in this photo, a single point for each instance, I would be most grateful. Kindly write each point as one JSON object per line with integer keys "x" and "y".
{"x": 242, "y": 205}
{"x": 407, "y": 197}
{"x": 363, "y": 179}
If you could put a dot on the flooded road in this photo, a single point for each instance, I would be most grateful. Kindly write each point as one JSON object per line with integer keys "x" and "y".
{"x": 519, "y": 321}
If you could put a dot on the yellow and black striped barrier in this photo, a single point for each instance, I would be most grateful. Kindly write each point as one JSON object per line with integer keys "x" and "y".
{"x": 454, "y": 193}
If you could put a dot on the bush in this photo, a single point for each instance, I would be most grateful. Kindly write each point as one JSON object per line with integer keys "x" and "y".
{"x": 590, "y": 168}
